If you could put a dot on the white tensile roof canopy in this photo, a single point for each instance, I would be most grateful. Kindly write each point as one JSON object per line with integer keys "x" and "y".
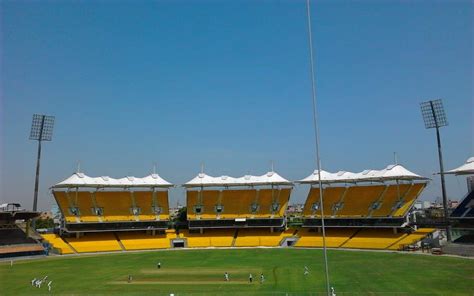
{"x": 390, "y": 173}
{"x": 82, "y": 180}
{"x": 270, "y": 178}
{"x": 465, "y": 169}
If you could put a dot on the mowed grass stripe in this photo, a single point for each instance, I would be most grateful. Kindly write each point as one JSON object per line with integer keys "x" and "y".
{"x": 202, "y": 270}
{"x": 161, "y": 282}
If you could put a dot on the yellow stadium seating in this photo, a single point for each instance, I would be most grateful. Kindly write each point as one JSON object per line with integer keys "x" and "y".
{"x": 266, "y": 197}
{"x": 95, "y": 242}
{"x": 390, "y": 198}
{"x": 196, "y": 240}
{"x": 85, "y": 204}
{"x": 373, "y": 239}
{"x": 237, "y": 203}
{"x": 64, "y": 205}
{"x": 411, "y": 238}
{"x": 260, "y": 237}
{"x": 210, "y": 198}
{"x": 335, "y": 237}
{"x": 358, "y": 200}
{"x": 142, "y": 241}
{"x": 210, "y": 238}
{"x": 144, "y": 200}
{"x": 191, "y": 201}
{"x": 409, "y": 199}
{"x": 57, "y": 242}
{"x": 283, "y": 200}
{"x": 221, "y": 237}
{"x": 331, "y": 196}
{"x": 116, "y": 205}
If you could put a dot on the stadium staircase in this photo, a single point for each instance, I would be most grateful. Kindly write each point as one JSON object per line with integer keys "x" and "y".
{"x": 119, "y": 241}
{"x": 350, "y": 237}
{"x": 397, "y": 243}
{"x": 236, "y": 233}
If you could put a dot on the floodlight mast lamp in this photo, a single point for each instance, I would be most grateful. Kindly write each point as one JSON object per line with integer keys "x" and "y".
{"x": 41, "y": 130}
{"x": 435, "y": 117}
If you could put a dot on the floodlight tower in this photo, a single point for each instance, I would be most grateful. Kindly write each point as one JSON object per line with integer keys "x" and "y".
{"x": 41, "y": 130}
{"x": 435, "y": 117}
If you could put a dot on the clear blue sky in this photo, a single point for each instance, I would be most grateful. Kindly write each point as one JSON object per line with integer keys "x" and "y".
{"x": 227, "y": 84}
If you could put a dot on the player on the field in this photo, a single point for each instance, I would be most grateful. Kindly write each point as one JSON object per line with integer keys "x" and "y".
{"x": 129, "y": 278}
{"x": 306, "y": 270}
{"x": 33, "y": 282}
{"x": 226, "y": 276}
{"x": 333, "y": 292}
{"x": 49, "y": 286}
{"x": 262, "y": 278}
{"x": 158, "y": 265}
{"x": 250, "y": 278}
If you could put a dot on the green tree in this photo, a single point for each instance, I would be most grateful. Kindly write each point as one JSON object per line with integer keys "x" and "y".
{"x": 182, "y": 214}
{"x": 44, "y": 223}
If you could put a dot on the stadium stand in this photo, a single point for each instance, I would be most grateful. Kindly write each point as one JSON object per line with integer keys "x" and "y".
{"x": 57, "y": 242}
{"x": 462, "y": 219}
{"x": 84, "y": 201}
{"x": 373, "y": 239}
{"x": 465, "y": 209}
{"x": 140, "y": 240}
{"x": 331, "y": 196}
{"x": 260, "y": 237}
{"x": 14, "y": 236}
{"x": 116, "y": 205}
{"x": 148, "y": 200}
{"x": 272, "y": 202}
{"x": 210, "y": 238}
{"x": 335, "y": 237}
{"x": 359, "y": 215}
{"x": 363, "y": 201}
{"x": 94, "y": 242}
{"x": 198, "y": 240}
{"x": 221, "y": 204}
{"x": 14, "y": 241}
{"x": 412, "y": 238}
{"x": 358, "y": 200}
{"x": 408, "y": 199}
{"x": 237, "y": 203}
{"x": 390, "y": 198}
{"x": 65, "y": 204}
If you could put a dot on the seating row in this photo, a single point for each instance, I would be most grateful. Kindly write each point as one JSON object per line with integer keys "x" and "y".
{"x": 363, "y": 201}
{"x": 356, "y": 238}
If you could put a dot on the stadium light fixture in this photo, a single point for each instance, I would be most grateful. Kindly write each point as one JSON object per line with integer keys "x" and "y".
{"x": 435, "y": 117}
{"x": 41, "y": 130}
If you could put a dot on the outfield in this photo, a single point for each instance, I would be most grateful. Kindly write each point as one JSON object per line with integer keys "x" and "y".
{"x": 201, "y": 272}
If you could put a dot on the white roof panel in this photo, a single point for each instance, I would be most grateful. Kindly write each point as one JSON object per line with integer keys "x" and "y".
{"x": 466, "y": 169}
{"x": 391, "y": 172}
{"x": 82, "y": 180}
{"x": 270, "y": 178}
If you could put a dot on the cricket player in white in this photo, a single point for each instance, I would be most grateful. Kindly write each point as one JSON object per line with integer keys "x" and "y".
{"x": 49, "y": 286}
{"x": 306, "y": 270}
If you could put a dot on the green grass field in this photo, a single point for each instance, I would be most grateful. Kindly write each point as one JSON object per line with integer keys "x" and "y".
{"x": 201, "y": 272}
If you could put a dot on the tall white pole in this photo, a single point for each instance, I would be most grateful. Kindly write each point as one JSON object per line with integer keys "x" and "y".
{"x": 316, "y": 137}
